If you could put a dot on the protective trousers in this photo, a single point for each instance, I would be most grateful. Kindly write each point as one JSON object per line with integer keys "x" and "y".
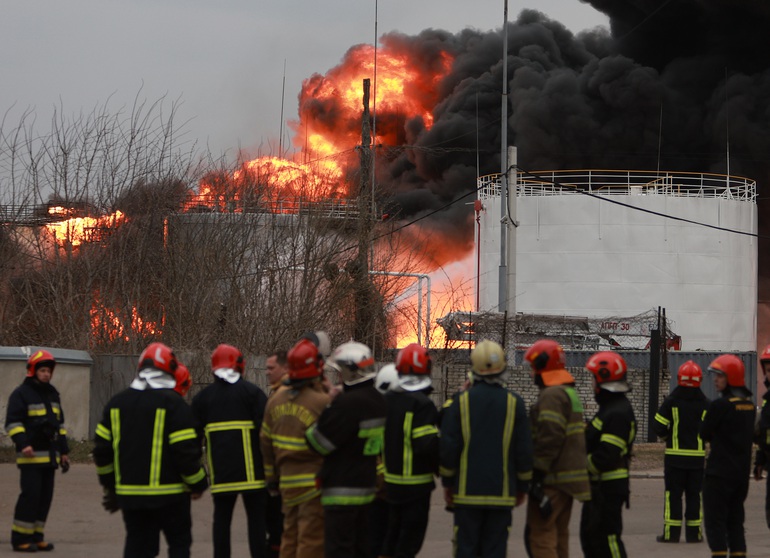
{"x": 274, "y": 525}
{"x": 724, "y": 515}
{"x": 33, "y": 504}
{"x": 407, "y": 524}
{"x": 481, "y": 532}
{"x": 303, "y": 530}
{"x": 689, "y": 482}
{"x": 548, "y": 537}
{"x": 601, "y": 525}
{"x": 144, "y": 525}
{"x": 254, "y": 504}
{"x": 346, "y": 530}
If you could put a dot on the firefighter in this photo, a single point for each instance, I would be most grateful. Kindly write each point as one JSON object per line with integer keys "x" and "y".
{"x": 410, "y": 454}
{"x": 485, "y": 456}
{"x": 35, "y": 422}
{"x": 148, "y": 458}
{"x": 678, "y": 422}
{"x": 609, "y": 440}
{"x": 228, "y": 413}
{"x": 762, "y": 432}
{"x": 559, "y": 473}
{"x": 291, "y": 466}
{"x": 728, "y": 427}
{"x": 349, "y": 436}
{"x": 276, "y": 372}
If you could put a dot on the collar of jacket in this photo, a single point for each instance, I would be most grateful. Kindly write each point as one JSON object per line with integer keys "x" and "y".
{"x": 557, "y": 378}
{"x": 150, "y": 378}
{"x": 227, "y": 374}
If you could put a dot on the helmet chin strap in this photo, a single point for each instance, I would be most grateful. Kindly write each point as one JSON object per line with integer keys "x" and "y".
{"x": 227, "y": 374}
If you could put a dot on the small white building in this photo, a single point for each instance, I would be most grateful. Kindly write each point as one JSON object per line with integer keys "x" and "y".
{"x": 617, "y": 243}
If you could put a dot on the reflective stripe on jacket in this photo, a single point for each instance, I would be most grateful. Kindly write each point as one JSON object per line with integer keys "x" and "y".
{"x": 486, "y": 447}
{"x": 146, "y": 448}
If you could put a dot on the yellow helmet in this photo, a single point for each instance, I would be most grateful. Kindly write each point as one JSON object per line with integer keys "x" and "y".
{"x": 488, "y": 358}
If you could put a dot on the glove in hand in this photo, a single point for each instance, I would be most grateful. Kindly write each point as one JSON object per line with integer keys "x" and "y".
{"x": 110, "y": 501}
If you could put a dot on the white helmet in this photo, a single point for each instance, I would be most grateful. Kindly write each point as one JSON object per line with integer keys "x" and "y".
{"x": 355, "y": 362}
{"x": 387, "y": 379}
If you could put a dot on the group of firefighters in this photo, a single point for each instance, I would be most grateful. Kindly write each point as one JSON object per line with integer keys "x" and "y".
{"x": 339, "y": 459}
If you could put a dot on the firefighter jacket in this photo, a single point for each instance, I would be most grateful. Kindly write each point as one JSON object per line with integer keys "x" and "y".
{"x": 559, "y": 442}
{"x": 289, "y": 463}
{"x": 762, "y": 432}
{"x": 678, "y": 422}
{"x": 411, "y": 445}
{"x": 349, "y": 436}
{"x": 35, "y": 418}
{"x": 146, "y": 448}
{"x": 229, "y": 415}
{"x": 729, "y": 429}
{"x": 609, "y": 440}
{"x": 486, "y": 447}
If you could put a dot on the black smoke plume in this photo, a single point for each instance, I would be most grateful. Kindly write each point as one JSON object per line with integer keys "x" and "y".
{"x": 659, "y": 89}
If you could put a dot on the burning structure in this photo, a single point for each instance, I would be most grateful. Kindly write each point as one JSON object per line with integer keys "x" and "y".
{"x": 604, "y": 99}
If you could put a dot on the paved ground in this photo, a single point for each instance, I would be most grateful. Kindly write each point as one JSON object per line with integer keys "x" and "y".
{"x": 79, "y": 527}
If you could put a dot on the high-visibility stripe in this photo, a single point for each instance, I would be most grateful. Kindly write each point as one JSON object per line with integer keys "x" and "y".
{"x": 426, "y": 430}
{"x": 195, "y": 478}
{"x": 36, "y": 412}
{"x": 237, "y": 486}
{"x": 306, "y": 496}
{"x": 297, "y": 481}
{"x": 12, "y": 431}
{"x": 675, "y": 429}
{"x": 510, "y": 419}
{"x": 23, "y": 527}
{"x": 615, "y": 441}
{"x": 144, "y": 490}
{"x": 506, "y": 501}
{"x": 465, "y": 424}
{"x": 106, "y": 470}
{"x": 408, "y": 480}
{"x": 229, "y": 425}
{"x": 685, "y": 452}
{"x": 552, "y": 416}
{"x": 320, "y": 443}
{"x": 115, "y": 429}
{"x": 612, "y": 542}
{"x": 182, "y": 435}
{"x": 406, "y": 464}
{"x": 156, "y": 454}
{"x": 662, "y": 420}
{"x": 289, "y": 443}
{"x": 103, "y": 432}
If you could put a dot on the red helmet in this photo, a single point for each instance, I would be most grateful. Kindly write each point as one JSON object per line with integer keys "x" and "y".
{"x": 545, "y": 355}
{"x": 689, "y": 374}
{"x": 732, "y": 367}
{"x": 609, "y": 370}
{"x": 158, "y": 356}
{"x": 38, "y": 359}
{"x": 183, "y": 379}
{"x": 227, "y": 356}
{"x": 413, "y": 359}
{"x": 765, "y": 356}
{"x": 305, "y": 361}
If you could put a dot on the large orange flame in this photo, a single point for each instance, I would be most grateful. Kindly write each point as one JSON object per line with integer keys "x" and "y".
{"x": 73, "y": 231}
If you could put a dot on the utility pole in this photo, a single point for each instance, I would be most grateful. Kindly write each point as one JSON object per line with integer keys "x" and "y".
{"x": 363, "y": 293}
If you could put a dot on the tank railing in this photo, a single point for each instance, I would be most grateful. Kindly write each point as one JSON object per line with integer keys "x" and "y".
{"x": 604, "y": 182}
{"x": 333, "y": 208}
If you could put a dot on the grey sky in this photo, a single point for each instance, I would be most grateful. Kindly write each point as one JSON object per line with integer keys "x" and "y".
{"x": 224, "y": 61}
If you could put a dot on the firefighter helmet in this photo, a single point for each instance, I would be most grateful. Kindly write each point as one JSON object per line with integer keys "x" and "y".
{"x": 355, "y": 362}
{"x": 227, "y": 356}
{"x": 304, "y": 360}
{"x": 183, "y": 379}
{"x": 158, "y": 356}
{"x": 689, "y": 374}
{"x": 609, "y": 370}
{"x": 40, "y": 358}
{"x": 321, "y": 340}
{"x": 545, "y": 355}
{"x": 413, "y": 359}
{"x": 732, "y": 367}
{"x": 387, "y": 379}
{"x": 488, "y": 358}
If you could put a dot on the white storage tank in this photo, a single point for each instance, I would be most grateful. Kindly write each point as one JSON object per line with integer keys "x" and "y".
{"x": 618, "y": 243}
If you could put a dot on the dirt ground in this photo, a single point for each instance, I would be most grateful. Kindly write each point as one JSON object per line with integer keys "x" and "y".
{"x": 79, "y": 527}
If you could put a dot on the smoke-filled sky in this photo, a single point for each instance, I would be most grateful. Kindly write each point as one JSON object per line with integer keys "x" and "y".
{"x": 223, "y": 60}
{"x": 659, "y": 84}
